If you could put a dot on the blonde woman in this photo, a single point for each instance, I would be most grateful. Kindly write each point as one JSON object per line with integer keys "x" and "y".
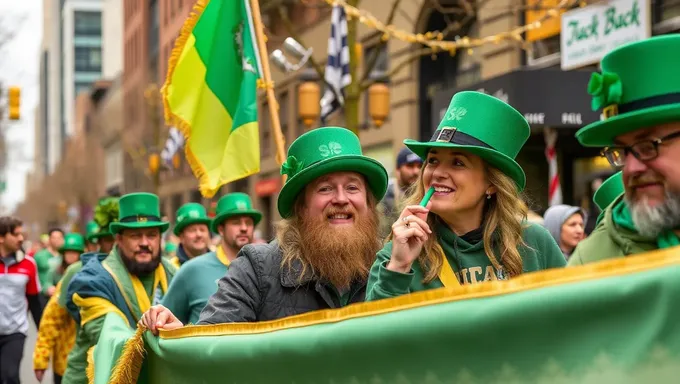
{"x": 474, "y": 227}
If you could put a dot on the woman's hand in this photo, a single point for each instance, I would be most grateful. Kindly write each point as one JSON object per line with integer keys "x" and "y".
{"x": 409, "y": 234}
{"x": 159, "y": 317}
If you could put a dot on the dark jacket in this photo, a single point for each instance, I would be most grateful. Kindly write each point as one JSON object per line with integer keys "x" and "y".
{"x": 258, "y": 288}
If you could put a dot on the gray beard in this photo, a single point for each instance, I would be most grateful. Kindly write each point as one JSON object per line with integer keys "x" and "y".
{"x": 653, "y": 221}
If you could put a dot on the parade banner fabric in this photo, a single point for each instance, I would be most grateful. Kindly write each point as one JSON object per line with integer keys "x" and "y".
{"x": 210, "y": 92}
{"x": 617, "y": 321}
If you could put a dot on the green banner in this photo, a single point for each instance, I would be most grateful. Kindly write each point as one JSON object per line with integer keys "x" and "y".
{"x": 613, "y": 322}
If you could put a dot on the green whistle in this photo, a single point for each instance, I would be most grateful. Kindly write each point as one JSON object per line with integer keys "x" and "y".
{"x": 427, "y": 197}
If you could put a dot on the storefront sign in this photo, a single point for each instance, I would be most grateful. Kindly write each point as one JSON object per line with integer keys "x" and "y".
{"x": 589, "y": 33}
{"x": 546, "y": 97}
{"x": 267, "y": 187}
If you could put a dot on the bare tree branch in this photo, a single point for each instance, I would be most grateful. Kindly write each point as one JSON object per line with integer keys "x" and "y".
{"x": 408, "y": 60}
{"x": 373, "y": 59}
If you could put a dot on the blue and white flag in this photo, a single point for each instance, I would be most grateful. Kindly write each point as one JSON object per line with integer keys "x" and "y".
{"x": 172, "y": 145}
{"x": 337, "y": 74}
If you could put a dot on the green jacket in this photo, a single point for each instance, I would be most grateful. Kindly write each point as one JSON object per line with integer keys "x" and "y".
{"x": 469, "y": 261}
{"x": 609, "y": 241}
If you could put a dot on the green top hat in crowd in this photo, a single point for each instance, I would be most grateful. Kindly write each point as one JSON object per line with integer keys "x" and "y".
{"x": 322, "y": 151}
{"x": 484, "y": 126}
{"x": 73, "y": 242}
{"x": 190, "y": 213}
{"x": 638, "y": 87}
{"x": 91, "y": 231}
{"x": 234, "y": 204}
{"x": 609, "y": 191}
{"x": 138, "y": 210}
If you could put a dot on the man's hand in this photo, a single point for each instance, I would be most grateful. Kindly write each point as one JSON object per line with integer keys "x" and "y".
{"x": 159, "y": 317}
{"x": 39, "y": 373}
{"x": 51, "y": 290}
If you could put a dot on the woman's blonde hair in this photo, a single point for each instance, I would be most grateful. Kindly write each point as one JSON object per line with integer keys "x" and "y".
{"x": 502, "y": 221}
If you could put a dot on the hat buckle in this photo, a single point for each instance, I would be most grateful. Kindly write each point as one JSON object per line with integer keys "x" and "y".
{"x": 446, "y": 134}
{"x": 610, "y": 111}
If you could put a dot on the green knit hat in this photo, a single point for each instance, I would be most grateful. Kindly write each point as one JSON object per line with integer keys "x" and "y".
{"x": 484, "y": 126}
{"x": 138, "y": 210}
{"x": 73, "y": 242}
{"x": 190, "y": 213}
{"x": 609, "y": 191}
{"x": 234, "y": 204}
{"x": 322, "y": 151}
{"x": 91, "y": 231}
{"x": 639, "y": 87}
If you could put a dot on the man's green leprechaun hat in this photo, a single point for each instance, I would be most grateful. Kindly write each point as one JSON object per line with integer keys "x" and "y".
{"x": 609, "y": 191}
{"x": 234, "y": 204}
{"x": 322, "y": 151}
{"x": 484, "y": 126}
{"x": 639, "y": 87}
{"x": 190, "y": 213}
{"x": 91, "y": 231}
{"x": 138, "y": 210}
{"x": 73, "y": 242}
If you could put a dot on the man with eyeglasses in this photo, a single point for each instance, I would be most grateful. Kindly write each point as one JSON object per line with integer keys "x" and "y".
{"x": 639, "y": 94}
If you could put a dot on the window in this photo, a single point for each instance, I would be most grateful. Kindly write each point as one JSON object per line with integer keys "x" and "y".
{"x": 196, "y": 196}
{"x": 87, "y": 23}
{"x": 176, "y": 203}
{"x": 81, "y": 87}
{"x": 88, "y": 59}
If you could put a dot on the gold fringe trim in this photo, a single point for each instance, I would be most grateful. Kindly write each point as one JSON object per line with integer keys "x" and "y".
{"x": 536, "y": 280}
{"x": 89, "y": 371}
{"x": 128, "y": 366}
{"x": 176, "y": 121}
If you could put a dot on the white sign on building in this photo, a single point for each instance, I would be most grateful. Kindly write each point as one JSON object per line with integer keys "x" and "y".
{"x": 591, "y": 32}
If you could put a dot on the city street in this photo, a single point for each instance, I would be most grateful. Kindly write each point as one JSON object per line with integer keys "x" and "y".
{"x": 27, "y": 376}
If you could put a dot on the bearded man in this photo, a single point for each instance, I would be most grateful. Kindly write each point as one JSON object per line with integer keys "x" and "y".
{"x": 192, "y": 229}
{"x": 196, "y": 281}
{"x": 638, "y": 92}
{"x": 324, "y": 245}
{"x": 124, "y": 283}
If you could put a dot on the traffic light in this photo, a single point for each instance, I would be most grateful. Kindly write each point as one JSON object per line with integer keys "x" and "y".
{"x": 14, "y": 102}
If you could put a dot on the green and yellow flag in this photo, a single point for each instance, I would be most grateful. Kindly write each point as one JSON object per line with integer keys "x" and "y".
{"x": 210, "y": 92}
{"x": 617, "y": 321}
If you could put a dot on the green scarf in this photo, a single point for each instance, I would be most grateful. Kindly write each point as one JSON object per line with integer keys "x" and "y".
{"x": 622, "y": 218}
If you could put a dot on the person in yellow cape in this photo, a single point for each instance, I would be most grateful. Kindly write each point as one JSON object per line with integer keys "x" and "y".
{"x": 125, "y": 283}
{"x": 474, "y": 227}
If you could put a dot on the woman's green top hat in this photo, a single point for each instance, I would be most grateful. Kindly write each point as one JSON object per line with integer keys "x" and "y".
{"x": 91, "y": 231}
{"x": 234, "y": 204}
{"x": 323, "y": 151}
{"x": 73, "y": 242}
{"x": 138, "y": 210}
{"x": 190, "y": 213}
{"x": 484, "y": 126}
{"x": 638, "y": 87}
{"x": 609, "y": 191}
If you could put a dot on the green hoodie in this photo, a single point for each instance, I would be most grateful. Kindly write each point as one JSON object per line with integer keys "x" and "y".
{"x": 469, "y": 262}
{"x": 610, "y": 240}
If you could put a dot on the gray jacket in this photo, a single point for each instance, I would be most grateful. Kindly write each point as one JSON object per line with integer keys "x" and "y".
{"x": 258, "y": 288}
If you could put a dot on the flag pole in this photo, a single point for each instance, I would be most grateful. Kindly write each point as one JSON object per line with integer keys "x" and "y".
{"x": 279, "y": 140}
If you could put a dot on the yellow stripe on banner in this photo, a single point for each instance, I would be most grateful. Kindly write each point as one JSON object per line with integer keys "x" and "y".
{"x": 244, "y": 147}
{"x": 525, "y": 282}
{"x": 446, "y": 275}
{"x": 207, "y": 122}
{"x": 92, "y": 308}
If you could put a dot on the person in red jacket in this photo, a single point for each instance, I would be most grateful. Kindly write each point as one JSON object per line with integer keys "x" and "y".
{"x": 19, "y": 290}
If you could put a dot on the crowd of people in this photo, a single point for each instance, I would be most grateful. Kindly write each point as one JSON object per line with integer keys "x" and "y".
{"x": 454, "y": 215}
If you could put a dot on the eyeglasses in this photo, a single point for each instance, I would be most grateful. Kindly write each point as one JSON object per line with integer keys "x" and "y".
{"x": 642, "y": 150}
